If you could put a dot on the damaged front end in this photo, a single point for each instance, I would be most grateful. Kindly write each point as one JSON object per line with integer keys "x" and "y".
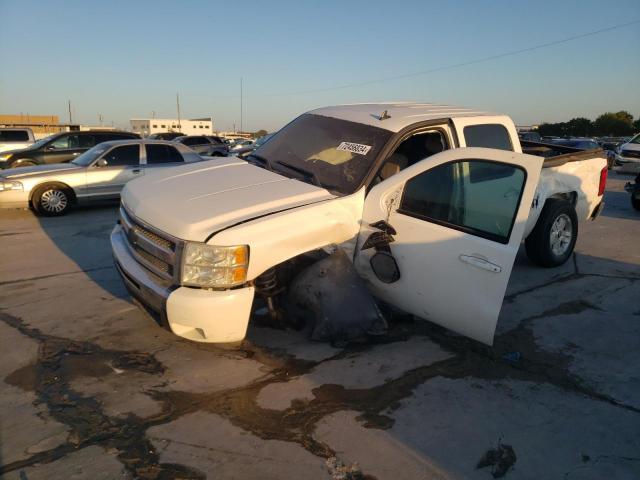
{"x": 327, "y": 296}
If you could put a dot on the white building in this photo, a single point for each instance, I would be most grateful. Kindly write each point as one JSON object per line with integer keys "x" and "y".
{"x": 147, "y": 126}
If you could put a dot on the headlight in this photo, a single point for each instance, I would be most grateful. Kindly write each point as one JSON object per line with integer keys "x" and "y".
{"x": 8, "y": 185}
{"x": 214, "y": 267}
{"x": 5, "y": 157}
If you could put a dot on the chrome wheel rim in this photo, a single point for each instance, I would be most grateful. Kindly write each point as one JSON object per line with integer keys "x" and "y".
{"x": 561, "y": 233}
{"x": 54, "y": 201}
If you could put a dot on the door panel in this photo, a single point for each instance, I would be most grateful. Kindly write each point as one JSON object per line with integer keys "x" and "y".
{"x": 456, "y": 224}
{"x": 106, "y": 182}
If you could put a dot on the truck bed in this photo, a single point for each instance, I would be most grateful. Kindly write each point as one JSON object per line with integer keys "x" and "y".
{"x": 556, "y": 155}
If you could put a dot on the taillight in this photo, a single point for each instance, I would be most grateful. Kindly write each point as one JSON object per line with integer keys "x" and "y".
{"x": 603, "y": 181}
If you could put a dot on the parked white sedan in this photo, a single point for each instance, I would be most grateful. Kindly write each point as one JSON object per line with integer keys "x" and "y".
{"x": 97, "y": 175}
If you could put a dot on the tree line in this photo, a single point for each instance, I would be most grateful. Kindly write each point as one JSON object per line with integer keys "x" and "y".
{"x": 610, "y": 124}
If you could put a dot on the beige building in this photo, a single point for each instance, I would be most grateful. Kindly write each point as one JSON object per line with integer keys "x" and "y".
{"x": 41, "y": 125}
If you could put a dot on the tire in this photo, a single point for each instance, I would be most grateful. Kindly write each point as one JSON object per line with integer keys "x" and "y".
{"x": 23, "y": 163}
{"x": 635, "y": 202}
{"x": 551, "y": 242}
{"x": 52, "y": 200}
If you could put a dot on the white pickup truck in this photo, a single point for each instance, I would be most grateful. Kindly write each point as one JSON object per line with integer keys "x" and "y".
{"x": 429, "y": 202}
{"x": 14, "y": 138}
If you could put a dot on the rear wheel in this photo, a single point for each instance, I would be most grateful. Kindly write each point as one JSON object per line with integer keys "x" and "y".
{"x": 52, "y": 200}
{"x": 23, "y": 163}
{"x": 554, "y": 237}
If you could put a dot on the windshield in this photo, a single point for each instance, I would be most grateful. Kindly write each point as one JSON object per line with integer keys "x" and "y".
{"x": 90, "y": 155}
{"x": 329, "y": 152}
{"x": 41, "y": 142}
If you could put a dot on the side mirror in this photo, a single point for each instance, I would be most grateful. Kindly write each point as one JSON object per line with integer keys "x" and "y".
{"x": 102, "y": 163}
{"x": 385, "y": 267}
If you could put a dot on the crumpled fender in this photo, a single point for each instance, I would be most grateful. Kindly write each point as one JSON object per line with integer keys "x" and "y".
{"x": 337, "y": 300}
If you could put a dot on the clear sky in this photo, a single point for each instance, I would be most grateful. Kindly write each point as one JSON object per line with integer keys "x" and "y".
{"x": 125, "y": 59}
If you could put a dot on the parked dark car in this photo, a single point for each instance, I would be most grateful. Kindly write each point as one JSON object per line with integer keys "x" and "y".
{"x": 60, "y": 148}
{"x": 165, "y": 135}
{"x": 244, "y": 151}
{"x": 581, "y": 143}
{"x": 204, "y": 145}
{"x": 634, "y": 190}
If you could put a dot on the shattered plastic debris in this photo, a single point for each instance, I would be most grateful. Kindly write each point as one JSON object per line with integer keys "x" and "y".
{"x": 340, "y": 471}
{"x": 338, "y": 299}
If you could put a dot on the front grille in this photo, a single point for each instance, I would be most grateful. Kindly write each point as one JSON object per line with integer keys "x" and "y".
{"x": 631, "y": 153}
{"x": 156, "y": 262}
{"x": 157, "y": 239}
{"x": 154, "y": 250}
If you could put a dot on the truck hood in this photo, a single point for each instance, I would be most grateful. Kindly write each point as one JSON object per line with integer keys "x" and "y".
{"x": 194, "y": 201}
{"x": 22, "y": 172}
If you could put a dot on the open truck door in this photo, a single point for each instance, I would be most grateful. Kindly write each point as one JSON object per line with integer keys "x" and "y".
{"x": 439, "y": 239}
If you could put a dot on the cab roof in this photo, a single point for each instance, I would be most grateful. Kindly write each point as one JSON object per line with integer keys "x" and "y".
{"x": 400, "y": 114}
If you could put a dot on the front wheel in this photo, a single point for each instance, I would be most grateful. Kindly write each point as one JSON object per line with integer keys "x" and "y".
{"x": 553, "y": 239}
{"x": 52, "y": 200}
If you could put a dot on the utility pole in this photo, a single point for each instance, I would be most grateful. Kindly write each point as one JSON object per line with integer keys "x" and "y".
{"x": 100, "y": 119}
{"x": 241, "y": 105}
{"x": 153, "y": 114}
{"x": 178, "y": 104}
{"x": 70, "y": 117}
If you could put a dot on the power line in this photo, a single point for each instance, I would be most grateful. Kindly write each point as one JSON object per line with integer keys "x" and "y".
{"x": 456, "y": 65}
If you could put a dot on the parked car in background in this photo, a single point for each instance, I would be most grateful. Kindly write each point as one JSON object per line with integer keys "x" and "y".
{"x": 165, "y": 135}
{"x": 203, "y": 145}
{"x": 60, "y": 148}
{"x": 581, "y": 143}
{"x": 629, "y": 152}
{"x": 243, "y": 151}
{"x": 634, "y": 190}
{"x": 530, "y": 136}
{"x": 15, "y": 138}
{"x": 97, "y": 175}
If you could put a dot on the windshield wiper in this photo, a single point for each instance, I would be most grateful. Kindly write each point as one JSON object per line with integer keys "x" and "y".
{"x": 265, "y": 161}
{"x": 307, "y": 173}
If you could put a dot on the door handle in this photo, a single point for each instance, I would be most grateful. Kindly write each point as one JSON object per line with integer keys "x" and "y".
{"x": 481, "y": 263}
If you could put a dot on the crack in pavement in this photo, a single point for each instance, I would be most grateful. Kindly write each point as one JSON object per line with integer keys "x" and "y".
{"x": 58, "y": 364}
{"x": 53, "y": 275}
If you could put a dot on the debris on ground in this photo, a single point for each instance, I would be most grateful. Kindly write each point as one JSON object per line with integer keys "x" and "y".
{"x": 340, "y": 471}
{"x": 500, "y": 459}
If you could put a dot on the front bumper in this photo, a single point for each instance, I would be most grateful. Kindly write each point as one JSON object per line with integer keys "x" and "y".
{"x": 14, "y": 199}
{"x": 196, "y": 314}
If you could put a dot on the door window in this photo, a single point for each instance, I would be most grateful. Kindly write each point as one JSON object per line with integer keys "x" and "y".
{"x": 475, "y": 196}
{"x": 86, "y": 141}
{"x": 488, "y": 136}
{"x": 125, "y": 155}
{"x": 65, "y": 142}
{"x": 162, "y": 154}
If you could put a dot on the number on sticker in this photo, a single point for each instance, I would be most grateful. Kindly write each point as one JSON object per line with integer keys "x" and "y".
{"x": 354, "y": 148}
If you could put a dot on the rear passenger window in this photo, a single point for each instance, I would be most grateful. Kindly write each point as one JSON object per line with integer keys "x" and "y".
{"x": 487, "y": 136}
{"x": 463, "y": 196}
{"x": 86, "y": 141}
{"x": 162, "y": 154}
{"x": 123, "y": 156}
{"x": 14, "y": 136}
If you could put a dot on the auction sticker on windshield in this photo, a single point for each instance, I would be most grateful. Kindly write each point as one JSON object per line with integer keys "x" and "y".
{"x": 354, "y": 148}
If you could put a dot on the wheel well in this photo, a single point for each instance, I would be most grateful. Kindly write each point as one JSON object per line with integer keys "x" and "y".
{"x": 570, "y": 197}
{"x": 37, "y": 188}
